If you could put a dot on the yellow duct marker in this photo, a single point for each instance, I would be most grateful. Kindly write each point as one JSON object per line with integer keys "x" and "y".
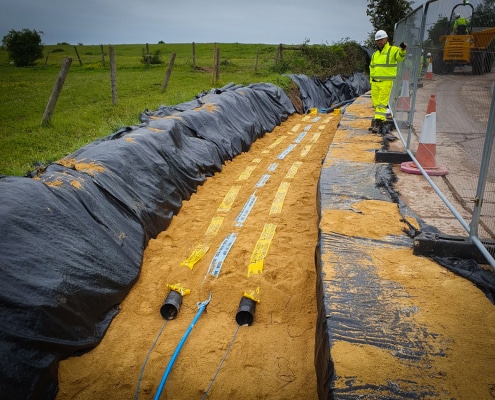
{"x": 315, "y": 137}
{"x": 247, "y": 173}
{"x": 278, "y": 201}
{"x": 295, "y": 128}
{"x": 229, "y": 199}
{"x": 177, "y": 287}
{"x": 253, "y": 295}
{"x": 276, "y": 142}
{"x": 261, "y": 249}
{"x": 196, "y": 255}
{"x": 305, "y": 150}
{"x": 293, "y": 170}
{"x": 214, "y": 227}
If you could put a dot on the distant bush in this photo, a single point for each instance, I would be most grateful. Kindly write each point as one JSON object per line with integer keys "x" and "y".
{"x": 63, "y": 44}
{"x": 24, "y": 47}
{"x": 154, "y": 57}
{"x": 58, "y": 51}
{"x": 344, "y": 57}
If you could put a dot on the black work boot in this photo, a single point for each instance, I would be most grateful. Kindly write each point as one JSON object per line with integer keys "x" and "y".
{"x": 378, "y": 126}
{"x": 372, "y": 125}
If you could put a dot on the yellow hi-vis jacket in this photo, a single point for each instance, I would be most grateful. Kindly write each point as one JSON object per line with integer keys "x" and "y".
{"x": 383, "y": 65}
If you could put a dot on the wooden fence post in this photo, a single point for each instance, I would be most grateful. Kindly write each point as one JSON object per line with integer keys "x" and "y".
{"x": 46, "y": 59}
{"x": 102, "y": 55}
{"x": 257, "y": 57}
{"x": 77, "y": 54}
{"x": 57, "y": 88}
{"x": 113, "y": 74}
{"x": 217, "y": 66}
{"x": 194, "y": 56}
{"x": 147, "y": 56}
{"x": 169, "y": 71}
{"x": 214, "y": 72}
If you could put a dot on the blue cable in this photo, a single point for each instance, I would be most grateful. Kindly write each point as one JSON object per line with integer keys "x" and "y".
{"x": 201, "y": 308}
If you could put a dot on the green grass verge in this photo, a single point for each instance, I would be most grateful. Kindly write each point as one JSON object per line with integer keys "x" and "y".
{"x": 85, "y": 112}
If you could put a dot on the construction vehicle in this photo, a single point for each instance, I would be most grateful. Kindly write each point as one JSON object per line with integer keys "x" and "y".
{"x": 464, "y": 45}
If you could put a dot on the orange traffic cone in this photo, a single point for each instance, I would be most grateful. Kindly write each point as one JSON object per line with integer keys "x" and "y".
{"x": 429, "y": 70}
{"x": 404, "y": 104}
{"x": 425, "y": 156}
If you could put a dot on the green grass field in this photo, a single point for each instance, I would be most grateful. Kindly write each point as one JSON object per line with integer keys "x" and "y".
{"x": 85, "y": 110}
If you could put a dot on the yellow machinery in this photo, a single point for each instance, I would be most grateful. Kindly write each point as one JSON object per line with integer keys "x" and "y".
{"x": 469, "y": 48}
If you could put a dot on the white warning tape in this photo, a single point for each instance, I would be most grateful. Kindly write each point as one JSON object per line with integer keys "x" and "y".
{"x": 221, "y": 254}
{"x": 248, "y": 206}
{"x": 272, "y": 167}
{"x": 264, "y": 178}
{"x": 300, "y": 137}
{"x": 284, "y": 154}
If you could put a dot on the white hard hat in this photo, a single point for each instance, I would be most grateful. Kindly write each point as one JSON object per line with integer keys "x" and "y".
{"x": 380, "y": 35}
{"x": 458, "y": 16}
{"x": 428, "y": 55}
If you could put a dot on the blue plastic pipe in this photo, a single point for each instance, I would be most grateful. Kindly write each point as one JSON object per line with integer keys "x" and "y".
{"x": 201, "y": 308}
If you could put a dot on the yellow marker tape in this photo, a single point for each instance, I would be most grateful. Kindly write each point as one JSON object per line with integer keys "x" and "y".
{"x": 261, "y": 249}
{"x": 278, "y": 201}
{"x": 247, "y": 173}
{"x": 306, "y": 118}
{"x": 179, "y": 289}
{"x": 229, "y": 199}
{"x": 327, "y": 120}
{"x": 293, "y": 170}
{"x": 256, "y": 160}
{"x": 214, "y": 227}
{"x": 295, "y": 128}
{"x": 196, "y": 255}
{"x": 305, "y": 150}
{"x": 315, "y": 137}
{"x": 321, "y": 127}
{"x": 253, "y": 295}
{"x": 276, "y": 142}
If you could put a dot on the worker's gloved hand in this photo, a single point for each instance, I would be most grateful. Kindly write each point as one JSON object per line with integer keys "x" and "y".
{"x": 403, "y": 46}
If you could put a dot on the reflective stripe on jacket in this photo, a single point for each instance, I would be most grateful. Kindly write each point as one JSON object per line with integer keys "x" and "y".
{"x": 383, "y": 65}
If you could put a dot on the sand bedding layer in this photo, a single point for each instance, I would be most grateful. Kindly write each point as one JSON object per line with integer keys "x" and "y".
{"x": 276, "y": 184}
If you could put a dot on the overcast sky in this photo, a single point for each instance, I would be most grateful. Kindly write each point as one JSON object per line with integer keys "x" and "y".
{"x": 185, "y": 21}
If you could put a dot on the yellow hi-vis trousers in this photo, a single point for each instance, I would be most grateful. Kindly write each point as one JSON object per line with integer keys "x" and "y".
{"x": 380, "y": 95}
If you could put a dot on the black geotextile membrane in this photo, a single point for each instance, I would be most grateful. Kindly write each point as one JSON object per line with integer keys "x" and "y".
{"x": 72, "y": 236}
{"x": 336, "y": 89}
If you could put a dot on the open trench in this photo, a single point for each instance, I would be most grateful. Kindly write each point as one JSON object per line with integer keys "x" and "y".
{"x": 264, "y": 205}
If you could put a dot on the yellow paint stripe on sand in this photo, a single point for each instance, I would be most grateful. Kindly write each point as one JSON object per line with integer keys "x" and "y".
{"x": 261, "y": 249}
{"x": 278, "y": 201}
{"x": 229, "y": 199}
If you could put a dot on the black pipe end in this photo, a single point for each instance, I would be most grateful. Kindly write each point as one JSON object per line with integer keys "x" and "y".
{"x": 171, "y": 306}
{"x": 245, "y": 312}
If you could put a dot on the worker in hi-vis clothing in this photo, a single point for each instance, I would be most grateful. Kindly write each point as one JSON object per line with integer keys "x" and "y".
{"x": 460, "y": 25}
{"x": 383, "y": 69}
